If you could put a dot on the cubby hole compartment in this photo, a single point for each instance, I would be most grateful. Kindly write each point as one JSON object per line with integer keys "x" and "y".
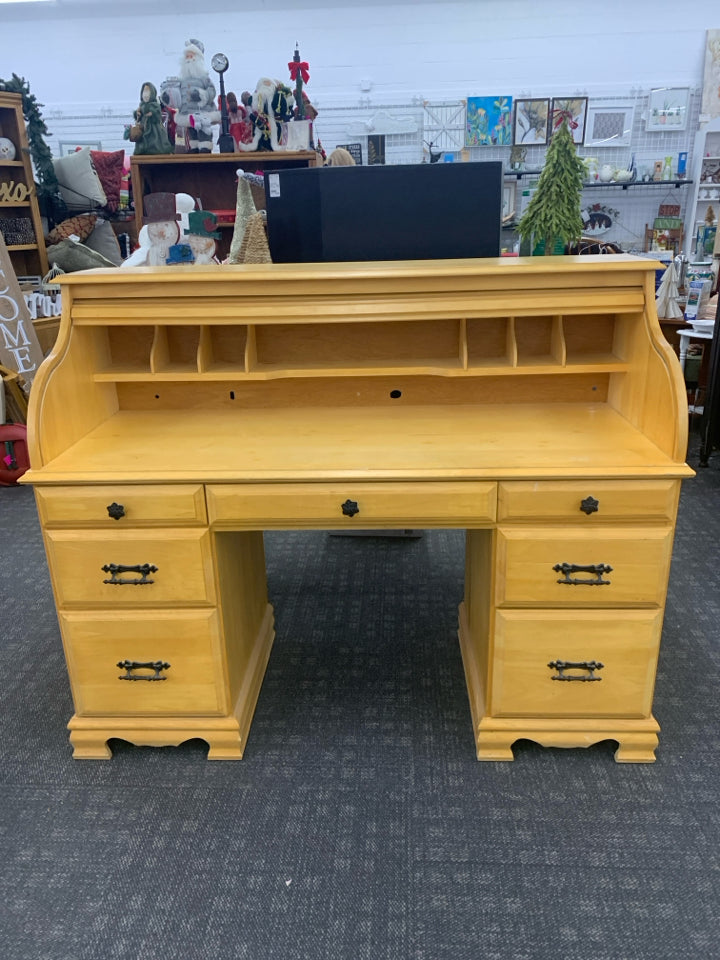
{"x": 589, "y": 338}
{"x": 129, "y": 349}
{"x": 539, "y": 341}
{"x": 223, "y": 349}
{"x": 175, "y": 349}
{"x": 490, "y": 342}
{"x": 362, "y": 345}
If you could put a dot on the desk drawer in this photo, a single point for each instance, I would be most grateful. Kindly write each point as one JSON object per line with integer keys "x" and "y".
{"x": 632, "y": 565}
{"x": 527, "y": 642}
{"x": 352, "y": 505}
{"x": 629, "y": 500}
{"x": 141, "y": 506}
{"x": 182, "y": 558}
{"x": 189, "y": 643}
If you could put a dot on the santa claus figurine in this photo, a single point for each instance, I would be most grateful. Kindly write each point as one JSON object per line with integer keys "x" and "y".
{"x": 196, "y": 112}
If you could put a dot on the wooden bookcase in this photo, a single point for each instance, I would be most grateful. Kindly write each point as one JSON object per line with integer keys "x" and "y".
{"x": 27, "y": 253}
{"x": 208, "y": 177}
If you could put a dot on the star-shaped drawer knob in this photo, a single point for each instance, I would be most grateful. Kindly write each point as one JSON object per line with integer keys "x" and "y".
{"x": 116, "y": 510}
{"x": 590, "y": 505}
{"x": 350, "y": 508}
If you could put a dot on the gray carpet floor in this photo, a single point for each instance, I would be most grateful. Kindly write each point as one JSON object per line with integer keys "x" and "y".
{"x": 359, "y": 825}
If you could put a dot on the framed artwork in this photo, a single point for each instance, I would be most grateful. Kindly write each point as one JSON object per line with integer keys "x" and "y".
{"x": 488, "y": 121}
{"x": 609, "y": 124}
{"x": 531, "y": 121}
{"x": 711, "y": 75}
{"x": 67, "y": 148}
{"x": 668, "y": 108}
{"x": 575, "y": 109}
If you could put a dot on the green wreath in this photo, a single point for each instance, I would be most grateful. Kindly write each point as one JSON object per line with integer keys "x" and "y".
{"x": 47, "y": 187}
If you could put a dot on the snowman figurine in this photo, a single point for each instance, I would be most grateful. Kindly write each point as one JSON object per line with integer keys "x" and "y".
{"x": 161, "y": 219}
{"x": 202, "y": 236}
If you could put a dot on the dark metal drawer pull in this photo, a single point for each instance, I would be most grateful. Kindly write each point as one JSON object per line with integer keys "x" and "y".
{"x": 116, "y": 510}
{"x": 589, "y": 505}
{"x": 115, "y": 569}
{"x": 590, "y": 665}
{"x": 597, "y": 568}
{"x": 350, "y": 508}
{"x": 130, "y": 665}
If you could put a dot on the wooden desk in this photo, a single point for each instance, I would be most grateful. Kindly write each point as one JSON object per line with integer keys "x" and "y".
{"x": 533, "y": 402}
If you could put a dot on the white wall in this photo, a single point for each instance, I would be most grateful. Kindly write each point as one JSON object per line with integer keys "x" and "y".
{"x": 84, "y": 55}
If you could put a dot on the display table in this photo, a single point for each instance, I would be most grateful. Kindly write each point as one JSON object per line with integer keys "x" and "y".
{"x": 532, "y": 402}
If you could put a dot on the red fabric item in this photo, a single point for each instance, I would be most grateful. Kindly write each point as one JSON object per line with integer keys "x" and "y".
{"x": 14, "y": 459}
{"x": 109, "y": 168}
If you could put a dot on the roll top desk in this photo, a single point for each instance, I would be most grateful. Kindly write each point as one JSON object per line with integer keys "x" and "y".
{"x": 532, "y": 402}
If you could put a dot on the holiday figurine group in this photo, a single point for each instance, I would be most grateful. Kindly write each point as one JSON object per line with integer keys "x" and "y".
{"x": 273, "y": 117}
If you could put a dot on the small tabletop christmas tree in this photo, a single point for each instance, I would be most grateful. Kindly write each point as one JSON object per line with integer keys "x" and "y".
{"x": 553, "y": 214}
{"x": 667, "y": 295}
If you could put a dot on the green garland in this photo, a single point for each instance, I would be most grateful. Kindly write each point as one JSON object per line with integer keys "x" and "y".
{"x": 47, "y": 184}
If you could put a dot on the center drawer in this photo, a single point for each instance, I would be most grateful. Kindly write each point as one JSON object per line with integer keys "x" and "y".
{"x": 581, "y": 567}
{"x": 186, "y": 648}
{"x": 352, "y": 505}
{"x": 103, "y": 568}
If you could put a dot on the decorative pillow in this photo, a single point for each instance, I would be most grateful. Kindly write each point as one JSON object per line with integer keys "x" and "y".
{"x": 103, "y": 240}
{"x": 71, "y": 256}
{"x": 109, "y": 168}
{"x": 82, "y": 226}
{"x": 79, "y": 183}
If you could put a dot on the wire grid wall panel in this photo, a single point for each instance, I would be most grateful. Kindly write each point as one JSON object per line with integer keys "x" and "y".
{"x": 409, "y": 128}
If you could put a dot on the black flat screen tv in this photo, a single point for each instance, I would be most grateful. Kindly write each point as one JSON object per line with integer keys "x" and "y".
{"x": 403, "y": 212}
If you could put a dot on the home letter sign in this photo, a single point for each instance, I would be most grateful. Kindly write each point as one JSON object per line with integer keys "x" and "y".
{"x": 19, "y": 347}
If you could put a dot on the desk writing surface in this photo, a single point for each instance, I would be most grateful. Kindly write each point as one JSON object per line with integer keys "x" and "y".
{"x": 423, "y": 442}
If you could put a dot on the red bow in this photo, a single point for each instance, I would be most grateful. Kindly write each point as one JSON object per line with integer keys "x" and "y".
{"x": 302, "y": 66}
{"x": 561, "y": 115}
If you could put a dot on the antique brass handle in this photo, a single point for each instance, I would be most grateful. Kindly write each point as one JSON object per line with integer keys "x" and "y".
{"x": 155, "y": 665}
{"x": 597, "y": 568}
{"x": 590, "y": 665}
{"x": 115, "y": 569}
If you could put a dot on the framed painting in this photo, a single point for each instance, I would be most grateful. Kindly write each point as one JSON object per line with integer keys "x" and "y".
{"x": 574, "y": 109}
{"x": 531, "y": 121}
{"x": 488, "y": 121}
{"x": 609, "y": 124}
{"x": 668, "y": 108}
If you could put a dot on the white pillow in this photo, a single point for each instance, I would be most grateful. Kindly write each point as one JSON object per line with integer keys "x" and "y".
{"x": 80, "y": 185}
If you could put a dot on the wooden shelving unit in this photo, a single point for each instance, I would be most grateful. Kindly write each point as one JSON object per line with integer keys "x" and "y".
{"x": 28, "y": 258}
{"x": 208, "y": 177}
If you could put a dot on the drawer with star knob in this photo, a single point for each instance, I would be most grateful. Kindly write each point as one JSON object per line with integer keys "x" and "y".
{"x": 574, "y": 663}
{"x": 583, "y": 501}
{"x": 154, "y": 662}
{"x": 122, "y": 505}
{"x": 131, "y": 568}
{"x": 581, "y": 567}
{"x": 352, "y": 505}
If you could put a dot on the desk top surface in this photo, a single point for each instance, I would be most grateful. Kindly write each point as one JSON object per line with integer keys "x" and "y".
{"x": 522, "y": 441}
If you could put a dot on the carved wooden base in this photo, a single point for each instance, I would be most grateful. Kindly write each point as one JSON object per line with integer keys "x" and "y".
{"x": 226, "y": 736}
{"x": 494, "y": 737}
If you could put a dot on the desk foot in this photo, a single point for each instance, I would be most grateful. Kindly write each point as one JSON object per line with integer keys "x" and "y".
{"x": 494, "y": 737}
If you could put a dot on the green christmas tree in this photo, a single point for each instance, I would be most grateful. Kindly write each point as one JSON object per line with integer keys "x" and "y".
{"x": 554, "y": 212}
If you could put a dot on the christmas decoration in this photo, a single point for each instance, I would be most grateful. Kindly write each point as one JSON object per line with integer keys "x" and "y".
{"x": 153, "y": 137}
{"x": 667, "y": 294}
{"x": 553, "y": 214}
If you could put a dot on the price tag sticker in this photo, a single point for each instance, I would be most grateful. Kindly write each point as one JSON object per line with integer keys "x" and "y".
{"x": 274, "y": 184}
